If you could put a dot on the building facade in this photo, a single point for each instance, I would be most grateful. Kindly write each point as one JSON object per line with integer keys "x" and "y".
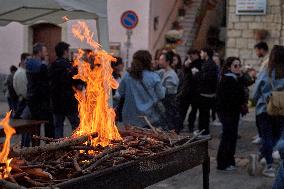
{"x": 244, "y": 31}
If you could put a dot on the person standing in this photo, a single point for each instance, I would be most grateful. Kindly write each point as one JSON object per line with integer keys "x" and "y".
{"x": 38, "y": 92}
{"x": 117, "y": 67}
{"x": 207, "y": 84}
{"x": 170, "y": 81}
{"x": 230, "y": 99}
{"x": 187, "y": 94}
{"x": 142, "y": 90}
{"x": 269, "y": 79}
{"x": 10, "y": 92}
{"x": 262, "y": 52}
{"x": 62, "y": 84}
{"x": 20, "y": 85}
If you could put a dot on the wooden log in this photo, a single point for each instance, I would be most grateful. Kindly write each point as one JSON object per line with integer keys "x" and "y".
{"x": 46, "y": 139}
{"x": 33, "y": 182}
{"x": 53, "y": 146}
{"x": 9, "y": 185}
{"x": 98, "y": 162}
{"x": 107, "y": 151}
{"x": 76, "y": 164}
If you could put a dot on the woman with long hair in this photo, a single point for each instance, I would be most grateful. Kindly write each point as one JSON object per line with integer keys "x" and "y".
{"x": 230, "y": 99}
{"x": 142, "y": 89}
{"x": 270, "y": 79}
{"x": 170, "y": 81}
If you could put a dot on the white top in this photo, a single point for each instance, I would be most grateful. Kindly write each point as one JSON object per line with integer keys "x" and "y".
{"x": 20, "y": 82}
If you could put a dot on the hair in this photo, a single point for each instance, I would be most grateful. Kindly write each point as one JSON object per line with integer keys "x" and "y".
{"x": 142, "y": 60}
{"x": 37, "y": 48}
{"x": 276, "y": 62}
{"x": 24, "y": 56}
{"x": 209, "y": 52}
{"x": 228, "y": 63}
{"x": 60, "y": 48}
{"x": 179, "y": 65}
{"x": 13, "y": 68}
{"x": 262, "y": 45}
{"x": 117, "y": 62}
{"x": 169, "y": 56}
{"x": 193, "y": 51}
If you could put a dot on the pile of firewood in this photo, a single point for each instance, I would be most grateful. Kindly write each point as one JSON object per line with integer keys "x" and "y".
{"x": 62, "y": 159}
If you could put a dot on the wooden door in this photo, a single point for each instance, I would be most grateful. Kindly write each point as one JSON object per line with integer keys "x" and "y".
{"x": 49, "y": 35}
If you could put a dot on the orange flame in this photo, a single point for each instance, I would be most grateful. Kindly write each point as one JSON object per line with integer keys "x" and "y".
{"x": 96, "y": 115}
{"x": 9, "y": 131}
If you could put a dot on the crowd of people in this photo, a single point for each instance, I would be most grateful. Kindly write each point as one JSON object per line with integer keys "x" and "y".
{"x": 38, "y": 90}
{"x": 161, "y": 91}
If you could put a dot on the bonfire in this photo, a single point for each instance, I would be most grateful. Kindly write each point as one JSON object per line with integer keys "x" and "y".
{"x": 97, "y": 144}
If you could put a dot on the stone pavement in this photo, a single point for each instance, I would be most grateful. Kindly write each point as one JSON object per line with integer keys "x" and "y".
{"x": 192, "y": 179}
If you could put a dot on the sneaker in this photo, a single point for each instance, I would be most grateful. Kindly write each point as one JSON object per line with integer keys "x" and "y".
{"x": 276, "y": 156}
{"x": 252, "y": 165}
{"x": 269, "y": 172}
{"x": 229, "y": 168}
{"x": 263, "y": 162}
{"x": 232, "y": 167}
{"x": 256, "y": 141}
{"x": 256, "y": 136}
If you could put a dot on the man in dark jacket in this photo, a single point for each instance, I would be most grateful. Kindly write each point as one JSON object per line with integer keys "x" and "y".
{"x": 188, "y": 94}
{"x": 38, "y": 96}
{"x": 207, "y": 84}
{"x": 63, "y": 101}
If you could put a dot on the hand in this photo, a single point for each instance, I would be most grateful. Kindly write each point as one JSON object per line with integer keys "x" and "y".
{"x": 194, "y": 71}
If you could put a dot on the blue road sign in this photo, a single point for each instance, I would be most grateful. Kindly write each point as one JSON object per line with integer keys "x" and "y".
{"x": 129, "y": 19}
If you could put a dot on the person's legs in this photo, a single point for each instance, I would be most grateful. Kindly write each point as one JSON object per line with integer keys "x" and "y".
{"x": 227, "y": 147}
{"x": 204, "y": 114}
{"x": 192, "y": 116}
{"x": 74, "y": 119}
{"x": 20, "y": 108}
{"x": 58, "y": 124}
{"x": 235, "y": 117}
{"x": 279, "y": 180}
{"x": 267, "y": 138}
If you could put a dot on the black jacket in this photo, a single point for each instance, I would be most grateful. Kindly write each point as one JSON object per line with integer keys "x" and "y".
{"x": 188, "y": 89}
{"x": 62, "y": 86}
{"x": 207, "y": 78}
{"x": 230, "y": 94}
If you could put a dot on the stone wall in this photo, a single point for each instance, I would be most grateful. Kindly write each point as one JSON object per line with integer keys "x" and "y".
{"x": 240, "y": 30}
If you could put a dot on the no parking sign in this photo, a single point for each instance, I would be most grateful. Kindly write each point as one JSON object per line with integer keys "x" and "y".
{"x": 129, "y": 19}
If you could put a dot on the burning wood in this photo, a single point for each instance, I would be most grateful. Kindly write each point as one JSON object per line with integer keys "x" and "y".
{"x": 97, "y": 144}
{"x": 75, "y": 159}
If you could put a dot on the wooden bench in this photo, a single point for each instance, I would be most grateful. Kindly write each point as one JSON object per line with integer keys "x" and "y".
{"x": 25, "y": 126}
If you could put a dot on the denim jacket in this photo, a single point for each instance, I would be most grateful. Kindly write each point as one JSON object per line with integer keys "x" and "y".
{"x": 263, "y": 88}
{"x": 137, "y": 101}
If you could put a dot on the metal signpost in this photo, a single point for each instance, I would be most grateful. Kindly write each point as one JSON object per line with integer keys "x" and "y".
{"x": 129, "y": 20}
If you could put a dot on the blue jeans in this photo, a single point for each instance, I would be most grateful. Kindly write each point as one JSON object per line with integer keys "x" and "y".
{"x": 279, "y": 180}
{"x": 271, "y": 128}
{"x": 59, "y": 122}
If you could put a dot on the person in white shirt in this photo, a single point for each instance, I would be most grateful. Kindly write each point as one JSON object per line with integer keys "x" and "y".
{"x": 20, "y": 85}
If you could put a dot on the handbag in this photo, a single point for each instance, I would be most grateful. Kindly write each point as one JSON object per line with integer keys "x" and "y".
{"x": 159, "y": 106}
{"x": 275, "y": 105}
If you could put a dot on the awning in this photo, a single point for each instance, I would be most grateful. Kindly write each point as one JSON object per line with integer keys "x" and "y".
{"x": 30, "y": 12}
